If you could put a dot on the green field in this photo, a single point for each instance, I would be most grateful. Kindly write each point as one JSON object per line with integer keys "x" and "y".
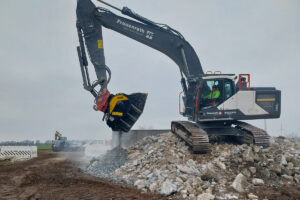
{"x": 44, "y": 147}
{"x": 4, "y": 162}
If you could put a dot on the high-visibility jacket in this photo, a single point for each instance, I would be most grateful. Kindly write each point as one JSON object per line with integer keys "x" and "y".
{"x": 213, "y": 95}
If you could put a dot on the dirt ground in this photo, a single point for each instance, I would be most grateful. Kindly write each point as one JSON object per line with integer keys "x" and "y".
{"x": 283, "y": 193}
{"x": 51, "y": 176}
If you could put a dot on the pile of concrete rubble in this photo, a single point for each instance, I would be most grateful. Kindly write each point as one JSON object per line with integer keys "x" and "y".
{"x": 165, "y": 165}
{"x": 105, "y": 165}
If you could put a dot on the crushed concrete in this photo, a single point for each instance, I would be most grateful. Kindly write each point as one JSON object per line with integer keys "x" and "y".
{"x": 165, "y": 165}
{"x": 240, "y": 183}
{"x": 105, "y": 165}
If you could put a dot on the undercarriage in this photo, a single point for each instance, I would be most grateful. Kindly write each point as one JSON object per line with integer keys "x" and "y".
{"x": 199, "y": 136}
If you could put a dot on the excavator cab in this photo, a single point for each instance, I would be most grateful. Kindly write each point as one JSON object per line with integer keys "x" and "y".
{"x": 210, "y": 94}
{"x": 214, "y": 91}
{"x": 229, "y": 97}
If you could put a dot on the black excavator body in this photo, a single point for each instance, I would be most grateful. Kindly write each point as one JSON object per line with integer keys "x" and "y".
{"x": 213, "y": 103}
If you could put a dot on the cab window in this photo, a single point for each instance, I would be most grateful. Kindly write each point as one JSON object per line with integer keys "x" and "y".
{"x": 228, "y": 89}
{"x": 211, "y": 94}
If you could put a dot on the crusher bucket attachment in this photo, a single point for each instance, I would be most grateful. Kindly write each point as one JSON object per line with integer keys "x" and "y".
{"x": 124, "y": 110}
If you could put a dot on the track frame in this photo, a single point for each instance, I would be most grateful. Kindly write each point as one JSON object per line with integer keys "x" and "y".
{"x": 198, "y": 136}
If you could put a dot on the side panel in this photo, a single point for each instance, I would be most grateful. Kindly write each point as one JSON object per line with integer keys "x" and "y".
{"x": 243, "y": 101}
{"x": 269, "y": 101}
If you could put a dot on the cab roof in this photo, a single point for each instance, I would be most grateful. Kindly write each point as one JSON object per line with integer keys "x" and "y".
{"x": 219, "y": 76}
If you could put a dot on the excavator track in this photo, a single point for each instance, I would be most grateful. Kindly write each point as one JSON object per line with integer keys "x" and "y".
{"x": 253, "y": 134}
{"x": 192, "y": 134}
{"x": 198, "y": 138}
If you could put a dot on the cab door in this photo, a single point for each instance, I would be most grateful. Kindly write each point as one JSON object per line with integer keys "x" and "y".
{"x": 212, "y": 94}
{"x": 228, "y": 91}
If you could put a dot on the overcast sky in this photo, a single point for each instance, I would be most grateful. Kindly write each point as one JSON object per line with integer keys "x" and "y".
{"x": 41, "y": 85}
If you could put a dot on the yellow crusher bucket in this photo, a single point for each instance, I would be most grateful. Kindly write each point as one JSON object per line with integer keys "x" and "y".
{"x": 124, "y": 110}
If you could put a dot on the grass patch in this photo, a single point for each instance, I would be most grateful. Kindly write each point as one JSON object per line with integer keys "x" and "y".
{"x": 5, "y": 162}
{"x": 44, "y": 147}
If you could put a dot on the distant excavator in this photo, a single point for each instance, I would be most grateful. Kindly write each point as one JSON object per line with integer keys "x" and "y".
{"x": 213, "y": 102}
{"x": 61, "y": 144}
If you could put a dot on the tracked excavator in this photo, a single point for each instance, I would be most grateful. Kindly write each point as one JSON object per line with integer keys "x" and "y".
{"x": 214, "y": 103}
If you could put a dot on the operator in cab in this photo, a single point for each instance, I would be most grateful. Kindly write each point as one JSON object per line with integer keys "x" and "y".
{"x": 214, "y": 94}
{"x": 210, "y": 98}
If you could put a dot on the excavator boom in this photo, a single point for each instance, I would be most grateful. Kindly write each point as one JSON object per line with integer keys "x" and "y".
{"x": 122, "y": 111}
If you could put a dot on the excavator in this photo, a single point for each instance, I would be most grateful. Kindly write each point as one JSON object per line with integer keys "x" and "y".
{"x": 62, "y": 144}
{"x": 213, "y": 102}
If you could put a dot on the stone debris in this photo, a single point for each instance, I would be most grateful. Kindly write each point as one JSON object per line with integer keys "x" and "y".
{"x": 164, "y": 164}
{"x": 252, "y": 196}
{"x": 240, "y": 183}
{"x": 205, "y": 196}
{"x": 252, "y": 170}
{"x": 168, "y": 188}
{"x": 258, "y": 182}
{"x": 228, "y": 196}
{"x": 220, "y": 164}
{"x": 287, "y": 177}
{"x": 105, "y": 165}
{"x": 140, "y": 184}
{"x": 283, "y": 160}
{"x": 246, "y": 173}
